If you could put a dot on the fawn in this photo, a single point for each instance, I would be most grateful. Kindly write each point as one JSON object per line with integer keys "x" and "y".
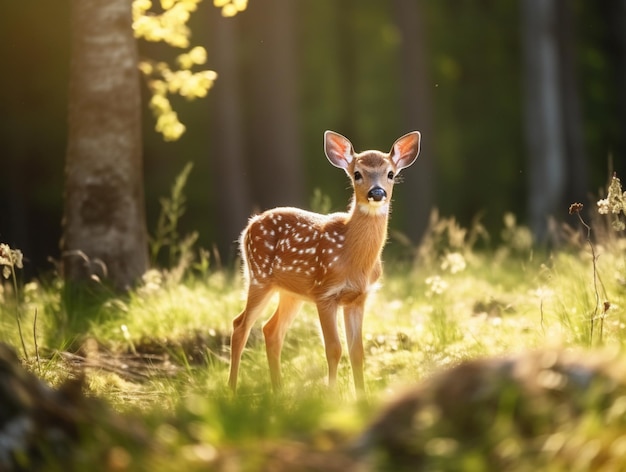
{"x": 332, "y": 260}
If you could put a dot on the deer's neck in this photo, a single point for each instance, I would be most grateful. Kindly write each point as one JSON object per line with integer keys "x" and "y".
{"x": 366, "y": 235}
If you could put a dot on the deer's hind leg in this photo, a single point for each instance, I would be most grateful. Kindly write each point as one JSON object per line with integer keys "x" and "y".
{"x": 274, "y": 331}
{"x": 258, "y": 297}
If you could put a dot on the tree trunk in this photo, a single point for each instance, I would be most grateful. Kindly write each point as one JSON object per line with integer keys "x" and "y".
{"x": 577, "y": 184}
{"x": 347, "y": 45}
{"x": 544, "y": 123}
{"x": 276, "y": 161}
{"x": 615, "y": 12}
{"x": 104, "y": 228}
{"x": 228, "y": 138}
{"x": 417, "y": 198}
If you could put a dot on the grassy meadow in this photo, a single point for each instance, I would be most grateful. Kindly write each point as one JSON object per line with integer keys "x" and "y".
{"x": 159, "y": 354}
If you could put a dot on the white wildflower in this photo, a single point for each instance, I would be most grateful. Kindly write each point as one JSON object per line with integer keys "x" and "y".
{"x": 10, "y": 259}
{"x": 436, "y": 286}
{"x": 454, "y": 262}
{"x": 603, "y": 206}
{"x": 152, "y": 282}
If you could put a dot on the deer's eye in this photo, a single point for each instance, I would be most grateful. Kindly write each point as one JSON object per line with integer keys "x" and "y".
{"x": 357, "y": 175}
{"x": 390, "y": 175}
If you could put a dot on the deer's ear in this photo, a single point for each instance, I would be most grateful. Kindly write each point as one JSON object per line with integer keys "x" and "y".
{"x": 405, "y": 150}
{"x": 338, "y": 149}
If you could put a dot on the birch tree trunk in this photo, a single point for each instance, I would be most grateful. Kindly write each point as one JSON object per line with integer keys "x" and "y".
{"x": 544, "y": 122}
{"x": 104, "y": 228}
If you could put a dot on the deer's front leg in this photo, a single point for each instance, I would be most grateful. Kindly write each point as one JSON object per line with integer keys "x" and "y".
{"x": 353, "y": 319}
{"x": 327, "y": 311}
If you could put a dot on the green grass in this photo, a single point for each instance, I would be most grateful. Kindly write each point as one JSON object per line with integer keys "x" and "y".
{"x": 425, "y": 318}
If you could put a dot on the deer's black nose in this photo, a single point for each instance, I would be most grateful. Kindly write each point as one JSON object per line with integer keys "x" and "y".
{"x": 377, "y": 194}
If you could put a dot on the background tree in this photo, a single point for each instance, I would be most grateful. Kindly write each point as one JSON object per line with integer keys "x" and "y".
{"x": 544, "y": 118}
{"x": 416, "y": 107}
{"x": 231, "y": 192}
{"x": 256, "y": 155}
{"x": 571, "y": 107}
{"x": 605, "y": 60}
{"x": 271, "y": 96}
{"x": 104, "y": 224}
{"x": 554, "y": 131}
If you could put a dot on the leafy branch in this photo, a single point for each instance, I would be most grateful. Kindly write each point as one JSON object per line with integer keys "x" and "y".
{"x": 169, "y": 25}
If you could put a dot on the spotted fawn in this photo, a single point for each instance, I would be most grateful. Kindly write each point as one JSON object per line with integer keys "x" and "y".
{"x": 331, "y": 260}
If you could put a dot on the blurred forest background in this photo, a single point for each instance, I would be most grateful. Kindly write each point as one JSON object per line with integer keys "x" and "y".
{"x": 521, "y": 105}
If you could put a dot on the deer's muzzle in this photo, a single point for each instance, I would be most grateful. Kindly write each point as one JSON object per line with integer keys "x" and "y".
{"x": 376, "y": 194}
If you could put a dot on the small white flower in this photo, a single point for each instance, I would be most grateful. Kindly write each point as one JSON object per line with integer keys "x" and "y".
{"x": 436, "y": 286}
{"x": 543, "y": 293}
{"x": 454, "y": 262}
{"x": 10, "y": 259}
{"x": 603, "y": 206}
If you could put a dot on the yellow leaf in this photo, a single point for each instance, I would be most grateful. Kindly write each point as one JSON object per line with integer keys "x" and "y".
{"x": 198, "y": 55}
{"x": 145, "y": 67}
{"x": 185, "y": 61}
{"x": 241, "y": 5}
{"x": 229, "y": 10}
